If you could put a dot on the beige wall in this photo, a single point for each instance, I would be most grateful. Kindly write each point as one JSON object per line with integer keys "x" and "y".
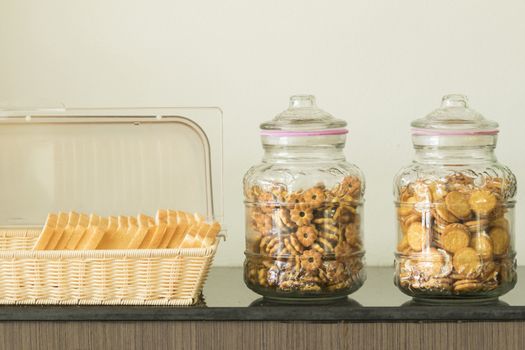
{"x": 377, "y": 64}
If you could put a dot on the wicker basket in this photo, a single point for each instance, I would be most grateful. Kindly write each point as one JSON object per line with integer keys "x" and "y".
{"x": 99, "y": 277}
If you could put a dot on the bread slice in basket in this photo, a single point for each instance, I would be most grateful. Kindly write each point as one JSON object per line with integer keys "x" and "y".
{"x": 169, "y": 229}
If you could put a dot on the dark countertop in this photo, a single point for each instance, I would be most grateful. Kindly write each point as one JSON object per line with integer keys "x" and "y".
{"x": 227, "y": 299}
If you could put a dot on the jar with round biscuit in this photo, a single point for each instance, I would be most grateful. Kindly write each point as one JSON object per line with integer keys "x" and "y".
{"x": 304, "y": 209}
{"x": 455, "y": 209}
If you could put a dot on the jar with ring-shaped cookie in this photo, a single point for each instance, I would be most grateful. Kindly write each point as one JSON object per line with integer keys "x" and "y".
{"x": 304, "y": 216}
{"x": 455, "y": 210}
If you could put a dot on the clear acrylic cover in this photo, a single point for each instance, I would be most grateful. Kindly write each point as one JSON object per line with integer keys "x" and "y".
{"x": 109, "y": 161}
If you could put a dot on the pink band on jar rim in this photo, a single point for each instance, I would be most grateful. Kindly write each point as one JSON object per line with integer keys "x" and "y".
{"x": 430, "y": 132}
{"x": 287, "y": 133}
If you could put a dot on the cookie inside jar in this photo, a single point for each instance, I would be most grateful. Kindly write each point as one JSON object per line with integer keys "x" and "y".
{"x": 303, "y": 205}
{"x": 455, "y": 210}
{"x": 307, "y": 242}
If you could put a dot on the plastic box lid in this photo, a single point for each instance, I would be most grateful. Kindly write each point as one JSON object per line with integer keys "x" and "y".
{"x": 109, "y": 162}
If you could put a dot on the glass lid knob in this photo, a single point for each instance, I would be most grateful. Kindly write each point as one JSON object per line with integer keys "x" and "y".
{"x": 454, "y": 101}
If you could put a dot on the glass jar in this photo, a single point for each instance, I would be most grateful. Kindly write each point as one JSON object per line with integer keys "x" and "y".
{"x": 304, "y": 209}
{"x": 455, "y": 209}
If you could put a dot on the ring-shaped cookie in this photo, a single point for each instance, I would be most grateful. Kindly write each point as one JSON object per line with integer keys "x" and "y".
{"x": 306, "y": 235}
{"x": 311, "y": 260}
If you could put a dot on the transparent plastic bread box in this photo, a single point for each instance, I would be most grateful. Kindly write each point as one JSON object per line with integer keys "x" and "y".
{"x": 109, "y": 162}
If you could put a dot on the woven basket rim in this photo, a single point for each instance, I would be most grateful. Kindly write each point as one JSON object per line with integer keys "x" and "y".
{"x": 107, "y": 254}
{"x": 97, "y": 254}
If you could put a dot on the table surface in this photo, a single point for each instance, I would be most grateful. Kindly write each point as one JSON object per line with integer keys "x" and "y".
{"x": 226, "y": 298}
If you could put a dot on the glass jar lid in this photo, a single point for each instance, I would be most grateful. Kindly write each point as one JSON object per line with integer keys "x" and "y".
{"x": 454, "y": 117}
{"x": 454, "y": 124}
{"x": 303, "y": 118}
